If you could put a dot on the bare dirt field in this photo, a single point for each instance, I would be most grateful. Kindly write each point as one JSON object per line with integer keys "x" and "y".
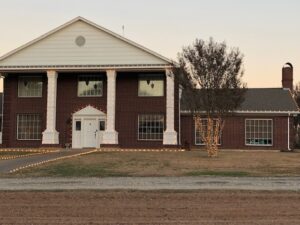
{"x": 124, "y": 207}
{"x": 192, "y": 163}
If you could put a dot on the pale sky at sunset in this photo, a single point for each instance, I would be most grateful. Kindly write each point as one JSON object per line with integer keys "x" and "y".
{"x": 266, "y": 31}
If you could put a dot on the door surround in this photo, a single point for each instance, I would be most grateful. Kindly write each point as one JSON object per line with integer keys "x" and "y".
{"x": 89, "y": 113}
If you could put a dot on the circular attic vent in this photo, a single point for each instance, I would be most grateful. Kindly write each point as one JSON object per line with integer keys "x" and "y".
{"x": 80, "y": 41}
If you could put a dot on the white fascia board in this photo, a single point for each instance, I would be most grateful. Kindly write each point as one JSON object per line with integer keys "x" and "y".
{"x": 250, "y": 112}
{"x": 85, "y": 67}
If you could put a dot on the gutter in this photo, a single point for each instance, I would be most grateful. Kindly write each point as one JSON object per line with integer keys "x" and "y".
{"x": 289, "y": 149}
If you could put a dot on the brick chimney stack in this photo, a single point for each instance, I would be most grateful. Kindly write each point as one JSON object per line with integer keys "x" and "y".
{"x": 287, "y": 76}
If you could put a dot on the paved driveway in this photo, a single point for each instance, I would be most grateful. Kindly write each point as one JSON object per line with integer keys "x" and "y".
{"x": 153, "y": 183}
{"x": 8, "y": 165}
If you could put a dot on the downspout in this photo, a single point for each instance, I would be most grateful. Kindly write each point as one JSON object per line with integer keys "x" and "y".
{"x": 289, "y": 132}
{"x": 179, "y": 115}
{"x": 2, "y": 119}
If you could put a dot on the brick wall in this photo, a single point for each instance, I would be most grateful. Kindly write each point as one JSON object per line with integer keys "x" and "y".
{"x": 233, "y": 136}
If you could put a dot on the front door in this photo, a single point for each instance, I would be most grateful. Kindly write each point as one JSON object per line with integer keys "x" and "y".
{"x": 90, "y": 133}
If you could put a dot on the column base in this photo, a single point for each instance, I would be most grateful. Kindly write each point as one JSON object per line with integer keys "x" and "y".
{"x": 110, "y": 138}
{"x": 170, "y": 138}
{"x": 50, "y": 137}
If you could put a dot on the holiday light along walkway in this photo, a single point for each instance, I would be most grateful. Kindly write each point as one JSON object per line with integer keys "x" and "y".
{"x": 9, "y": 166}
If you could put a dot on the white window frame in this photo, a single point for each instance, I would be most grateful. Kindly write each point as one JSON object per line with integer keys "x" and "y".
{"x": 89, "y": 96}
{"x": 272, "y": 132}
{"x": 195, "y": 135}
{"x": 138, "y": 126}
{"x": 153, "y": 77}
{"x": 39, "y": 96}
{"x": 21, "y": 139}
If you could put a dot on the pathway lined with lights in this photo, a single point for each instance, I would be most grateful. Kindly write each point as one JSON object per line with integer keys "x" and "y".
{"x": 13, "y": 165}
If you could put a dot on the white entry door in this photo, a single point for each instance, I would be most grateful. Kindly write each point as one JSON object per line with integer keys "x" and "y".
{"x": 90, "y": 133}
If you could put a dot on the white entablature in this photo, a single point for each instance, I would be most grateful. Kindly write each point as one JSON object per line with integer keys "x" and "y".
{"x": 81, "y": 44}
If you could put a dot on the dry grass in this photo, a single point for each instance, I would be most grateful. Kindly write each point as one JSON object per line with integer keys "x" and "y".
{"x": 194, "y": 163}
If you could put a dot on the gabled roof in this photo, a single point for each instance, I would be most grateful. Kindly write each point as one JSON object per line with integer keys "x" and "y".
{"x": 263, "y": 100}
{"x": 5, "y": 59}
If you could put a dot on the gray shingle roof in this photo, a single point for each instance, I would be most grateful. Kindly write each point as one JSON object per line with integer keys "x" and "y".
{"x": 264, "y": 100}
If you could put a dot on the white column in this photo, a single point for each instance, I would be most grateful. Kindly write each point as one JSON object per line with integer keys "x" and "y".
{"x": 170, "y": 135}
{"x": 50, "y": 135}
{"x": 110, "y": 136}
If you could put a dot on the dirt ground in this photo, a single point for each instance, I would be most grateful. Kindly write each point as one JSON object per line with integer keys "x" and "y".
{"x": 124, "y": 207}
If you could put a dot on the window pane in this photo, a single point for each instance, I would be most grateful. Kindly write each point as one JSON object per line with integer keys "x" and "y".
{"x": 151, "y": 127}
{"x": 259, "y": 132}
{"x": 78, "y": 125}
{"x": 90, "y": 86}
{"x": 151, "y": 86}
{"x": 30, "y": 87}
{"x": 29, "y": 127}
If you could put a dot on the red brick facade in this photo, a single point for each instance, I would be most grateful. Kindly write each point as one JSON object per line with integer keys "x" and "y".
{"x": 128, "y": 106}
{"x": 233, "y": 136}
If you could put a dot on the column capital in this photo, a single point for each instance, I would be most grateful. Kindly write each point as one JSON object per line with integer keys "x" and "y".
{"x": 51, "y": 73}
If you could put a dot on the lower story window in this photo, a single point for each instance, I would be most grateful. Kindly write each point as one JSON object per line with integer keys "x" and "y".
{"x": 198, "y": 136}
{"x": 151, "y": 127}
{"x": 29, "y": 127}
{"x": 259, "y": 132}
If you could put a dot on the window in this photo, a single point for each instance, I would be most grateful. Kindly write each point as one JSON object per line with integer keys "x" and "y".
{"x": 101, "y": 125}
{"x": 29, "y": 127}
{"x": 78, "y": 125}
{"x": 89, "y": 86}
{"x": 198, "y": 139}
{"x": 259, "y": 132}
{"x": 30, "y": 87}
{"x": 151, "y": 127}
{"x": 151, "y": 85}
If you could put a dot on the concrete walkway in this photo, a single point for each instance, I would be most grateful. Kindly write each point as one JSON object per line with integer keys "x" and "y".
{"x": 8, "y": 165}
{"x": 152, "y": 183}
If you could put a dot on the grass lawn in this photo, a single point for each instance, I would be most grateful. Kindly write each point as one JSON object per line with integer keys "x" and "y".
{"x": 194, "y": 163}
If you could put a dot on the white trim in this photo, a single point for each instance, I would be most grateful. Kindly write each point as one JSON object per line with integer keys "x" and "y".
{"x": 85, "y": 67}
{"x": 259, "y": 145}
{"x": 93, "y": 25}
{"x": 250, "y": 112}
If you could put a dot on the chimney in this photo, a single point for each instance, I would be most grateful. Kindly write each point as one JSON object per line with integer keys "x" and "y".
{"x": 287, "y": 76}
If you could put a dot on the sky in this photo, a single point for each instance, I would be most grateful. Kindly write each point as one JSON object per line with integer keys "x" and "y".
{"x": 267, "y": 32}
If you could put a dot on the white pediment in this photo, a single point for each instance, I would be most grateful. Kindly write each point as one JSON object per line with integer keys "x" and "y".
{"x": 97, "y": 47}
{"x": 89, "y": 111}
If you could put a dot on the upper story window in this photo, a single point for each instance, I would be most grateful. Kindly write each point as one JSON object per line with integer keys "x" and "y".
{"x": 30, "y": 86}
{"x": 259, "y": 132}
{"x": 151, "y": 86}
{"x": 90, "y": 86}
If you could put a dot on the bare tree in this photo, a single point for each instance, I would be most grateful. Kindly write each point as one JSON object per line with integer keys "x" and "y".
{"x": 210, "y": 75}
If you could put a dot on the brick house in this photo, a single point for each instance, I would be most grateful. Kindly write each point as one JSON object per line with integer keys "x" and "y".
{"x": 81, "y": 85}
